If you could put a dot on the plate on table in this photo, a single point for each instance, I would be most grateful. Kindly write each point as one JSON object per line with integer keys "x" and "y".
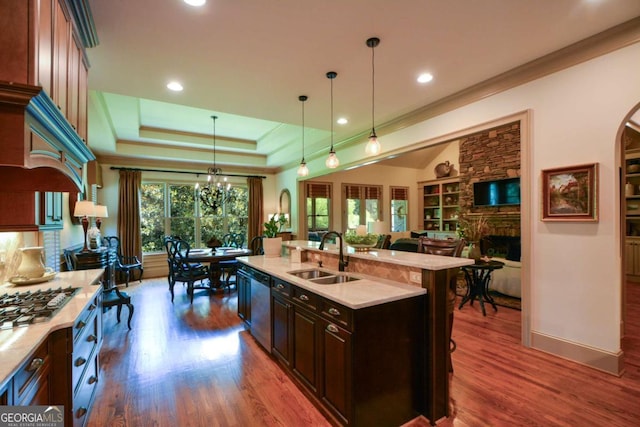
{"x": 19, "y": 280}
{"x": 199, "y": 251}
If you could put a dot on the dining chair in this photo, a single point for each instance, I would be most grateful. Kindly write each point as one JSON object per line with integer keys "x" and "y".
{"x": 255, "y": 245}
{"x": 111, "y": 295}
{"x": 124, "y": 264}
{"x": 230, "y": 267}
{"x": 181, "y": 270}
{"x": 445, "y": 247}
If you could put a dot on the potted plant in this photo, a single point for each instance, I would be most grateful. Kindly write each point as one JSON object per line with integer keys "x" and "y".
{"x": 272, "y": 244}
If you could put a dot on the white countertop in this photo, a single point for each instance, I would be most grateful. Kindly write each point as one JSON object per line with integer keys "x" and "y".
{"x": 366, "y": 292}
{"x": 409, "y": 259}
{"x": 18, "y": 342}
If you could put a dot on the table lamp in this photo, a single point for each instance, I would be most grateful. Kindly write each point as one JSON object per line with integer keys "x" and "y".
{"x": 101, "y": 212}
{"x": 84, "y": 209}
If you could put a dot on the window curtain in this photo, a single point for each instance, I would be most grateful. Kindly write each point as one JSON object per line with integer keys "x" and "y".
{"x": 254, "y": 227}
{"x": 129, "y": 213}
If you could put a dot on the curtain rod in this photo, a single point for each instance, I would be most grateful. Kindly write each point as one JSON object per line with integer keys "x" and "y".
{"x": 187, "y": 172}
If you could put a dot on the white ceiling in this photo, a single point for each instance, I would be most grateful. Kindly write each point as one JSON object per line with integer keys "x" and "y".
{"x": 247, "y": 61}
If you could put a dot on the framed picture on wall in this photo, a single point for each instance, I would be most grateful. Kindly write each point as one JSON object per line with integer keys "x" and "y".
{"x": 570, "y": 193}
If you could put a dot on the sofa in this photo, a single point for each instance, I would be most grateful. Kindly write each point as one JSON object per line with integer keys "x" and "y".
{"x": 506, "y": 280}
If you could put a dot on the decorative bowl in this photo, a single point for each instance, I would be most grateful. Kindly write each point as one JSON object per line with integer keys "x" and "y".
{"x": 361, "y": 242}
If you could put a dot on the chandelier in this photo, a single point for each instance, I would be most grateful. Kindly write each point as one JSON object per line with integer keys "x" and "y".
{"x": 217, "y": 192}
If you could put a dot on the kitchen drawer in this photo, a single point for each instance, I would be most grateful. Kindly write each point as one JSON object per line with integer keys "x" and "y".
{"x": 306, "y": 299}
{"x": 337, "y": 313}
{"x": 83, "y": 350}
{"x": 281, "y": 287}
{"x": 30, "y": 371}
{"x": 84, "y": 394}
{"x": 84, "y": 319}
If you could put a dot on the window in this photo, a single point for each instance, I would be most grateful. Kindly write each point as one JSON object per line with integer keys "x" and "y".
{"x": 175, "y": 209}
{"x": 399, "y": 208}
{"x": 318, "y": 196}
{"x": 362, "y": 204}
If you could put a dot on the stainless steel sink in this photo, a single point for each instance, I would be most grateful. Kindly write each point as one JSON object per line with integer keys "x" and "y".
{"x": 330, "y": 280}
{"x": 310, "y": 274}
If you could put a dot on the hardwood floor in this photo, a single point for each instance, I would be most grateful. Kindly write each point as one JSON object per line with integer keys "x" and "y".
{"x": 184, "y": 365}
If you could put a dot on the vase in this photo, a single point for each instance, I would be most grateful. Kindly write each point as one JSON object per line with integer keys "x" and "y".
{"x": 32, "y": 263}
{"x": 272, "y": 246}
{"x": 474, "y": 251}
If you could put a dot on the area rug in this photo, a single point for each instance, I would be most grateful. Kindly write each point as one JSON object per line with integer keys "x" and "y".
{"x": 500, "y": 299}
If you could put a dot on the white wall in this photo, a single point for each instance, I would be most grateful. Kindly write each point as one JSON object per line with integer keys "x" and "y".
{"x": 575, "y": 116}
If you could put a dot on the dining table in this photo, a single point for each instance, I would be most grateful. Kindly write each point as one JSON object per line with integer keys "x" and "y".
{"x": 213, "y": 257}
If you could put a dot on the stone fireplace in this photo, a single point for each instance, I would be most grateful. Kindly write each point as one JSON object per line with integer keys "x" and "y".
{"x": 487, "y": 155}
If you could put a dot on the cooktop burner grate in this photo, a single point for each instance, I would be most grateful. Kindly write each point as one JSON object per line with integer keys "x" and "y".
{"x": 25, "y": 308}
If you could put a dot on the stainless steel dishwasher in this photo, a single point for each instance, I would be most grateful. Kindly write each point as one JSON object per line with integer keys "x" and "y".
{"x": 260, "y": 306}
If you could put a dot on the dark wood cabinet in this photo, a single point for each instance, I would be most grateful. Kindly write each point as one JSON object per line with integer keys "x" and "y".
{"x": 243, "y": 283}
{"x": 360, "y": 367}
{"x": 281, "y": 315}
{"x": 306, "y": 347}
{"x": 98, "y": 258}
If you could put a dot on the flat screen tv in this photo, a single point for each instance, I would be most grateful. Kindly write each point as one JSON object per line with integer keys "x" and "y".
{"x": 500, "y": 192}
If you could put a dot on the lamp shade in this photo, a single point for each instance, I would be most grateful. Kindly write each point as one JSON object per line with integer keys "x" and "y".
{"x": 84, "y": 208}
{"x": 378, "y": 227}
{"x": 101, "y": 211}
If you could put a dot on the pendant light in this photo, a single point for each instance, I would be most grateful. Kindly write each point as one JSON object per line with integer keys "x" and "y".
{"x": 217, "y": 191}
{"x": 373, "y": 146}
{"x": 332, "y": 161}
{"x": 303, "y": 170}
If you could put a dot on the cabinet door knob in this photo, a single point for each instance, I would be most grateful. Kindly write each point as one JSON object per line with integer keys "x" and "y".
{"x": 81, "y": 412}
{"x": 80, "y": 325}
{"x": 35, "y": 364}
{"x": 80, "y": 361}
{"x": 303, "y": 297}
{"x": 91, "y": 338}
{"x": 92, "y": 379}
{"x": 332, "y": 328}
{"x": 334, "y": 311}
{"x": 92, "y": 307}
{"x": 280, "y": 286}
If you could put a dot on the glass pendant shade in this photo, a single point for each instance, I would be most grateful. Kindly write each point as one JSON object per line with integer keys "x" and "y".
{"x": 373, "y": 146}
{"x": 332, "y": 161}
{"x": 303, "y": 170}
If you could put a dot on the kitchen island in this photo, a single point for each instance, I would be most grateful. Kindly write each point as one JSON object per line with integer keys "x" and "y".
{"x": 55, "y": 362}
{"x": 431, "y": 272}
{"x": 409, "y": 328}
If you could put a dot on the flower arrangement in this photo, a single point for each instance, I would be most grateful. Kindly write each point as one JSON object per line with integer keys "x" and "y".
{"x": 274, "y": 225}
{"x": 473, "y": 228}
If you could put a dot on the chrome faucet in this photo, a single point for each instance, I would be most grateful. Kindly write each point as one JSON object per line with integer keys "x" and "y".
{"x": 341, "y": 262}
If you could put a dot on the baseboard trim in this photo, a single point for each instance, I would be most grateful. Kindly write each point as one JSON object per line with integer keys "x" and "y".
{"x": 611, "y": 363}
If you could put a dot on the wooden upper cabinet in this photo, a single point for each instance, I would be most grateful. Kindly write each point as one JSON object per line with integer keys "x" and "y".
{"x": 61, "y": 47}
{"x": 44, "y": 48}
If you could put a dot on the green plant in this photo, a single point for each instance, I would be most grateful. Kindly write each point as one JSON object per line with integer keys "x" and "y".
{"x": 473, "y": 228}
{"x": 360, "y": 239}
{"x": 274, "y": 225}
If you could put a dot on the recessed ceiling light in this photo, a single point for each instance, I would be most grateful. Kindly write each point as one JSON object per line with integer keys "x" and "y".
{"x": 174, "y": 86}
{"x": 195, "y": 2}
{"x": 425, "y": 78}
{"x": 342, "y": 121}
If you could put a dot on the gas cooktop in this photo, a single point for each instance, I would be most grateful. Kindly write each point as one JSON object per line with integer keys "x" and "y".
{"x": 25, "y": 308}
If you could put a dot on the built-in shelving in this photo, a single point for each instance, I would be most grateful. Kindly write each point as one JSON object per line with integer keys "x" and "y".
{"x": 440, "y": 204}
